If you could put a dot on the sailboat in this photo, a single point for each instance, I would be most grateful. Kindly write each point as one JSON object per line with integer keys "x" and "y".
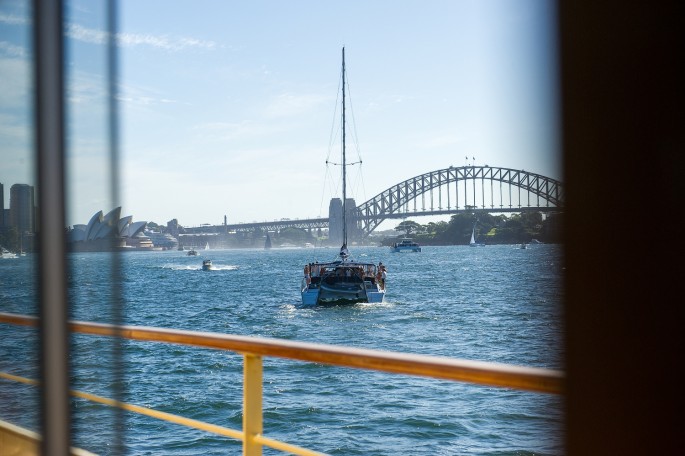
{"x": 473, "y": 242}
{"x": 343, "y": 280}
{"x": 207, "y": 246}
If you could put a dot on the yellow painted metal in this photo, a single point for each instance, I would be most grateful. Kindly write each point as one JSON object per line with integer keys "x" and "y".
{"x": 141, "y": 410}
{"x": 286, "y": 447}
{"x": 16, "y": 378}
{"x": 15, "y": 440}
{"x": 18, "y": 441}
{"x": 483, "y": 373}
{"x": 254, "y": 348}
{"x": 252, "y": 405}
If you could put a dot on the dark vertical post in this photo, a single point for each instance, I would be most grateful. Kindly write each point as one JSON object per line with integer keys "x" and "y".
{"x": 48, "y": 73}
{"x": 623, "y": 141}
{"x": 117, "y": 301}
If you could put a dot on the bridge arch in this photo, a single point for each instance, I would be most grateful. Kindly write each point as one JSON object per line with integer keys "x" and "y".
{"x": 506, "y": 190}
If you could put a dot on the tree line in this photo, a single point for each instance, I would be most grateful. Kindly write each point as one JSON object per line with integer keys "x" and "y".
{"x": 489, "y": 229}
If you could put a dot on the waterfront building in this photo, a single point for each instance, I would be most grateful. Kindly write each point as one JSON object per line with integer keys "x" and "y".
{"x": 104, "y": 233}
{"x": 22, "y": 208}
{"x": 2, "y": 205}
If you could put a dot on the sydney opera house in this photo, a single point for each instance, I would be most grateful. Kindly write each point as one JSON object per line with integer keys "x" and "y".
{"x": 105, "y": 233}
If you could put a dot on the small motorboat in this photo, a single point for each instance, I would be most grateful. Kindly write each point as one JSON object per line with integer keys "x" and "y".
{"x": 192, "y": 252}
{"x": 207, "y": 265}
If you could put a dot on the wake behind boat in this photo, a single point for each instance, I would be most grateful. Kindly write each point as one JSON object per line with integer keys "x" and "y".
{"x": 343, "y": 281}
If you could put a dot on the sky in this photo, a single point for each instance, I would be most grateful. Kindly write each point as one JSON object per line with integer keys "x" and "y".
{"x": 229, "y": 108}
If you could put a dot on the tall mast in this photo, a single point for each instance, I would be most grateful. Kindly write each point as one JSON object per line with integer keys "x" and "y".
{"x": 344, "y": 170}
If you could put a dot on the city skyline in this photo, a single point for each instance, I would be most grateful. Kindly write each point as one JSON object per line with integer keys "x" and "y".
{"x": 228, "y": 110}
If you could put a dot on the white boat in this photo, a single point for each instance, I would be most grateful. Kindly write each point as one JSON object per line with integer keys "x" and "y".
{"x": 343, "y": 280}
{"x": 207, "y": 246}
{"x": 4, "y": 253}
{"x": 406, "y": 245}
{"x": 473, "y": 242}
{"x": 207, "y": 265}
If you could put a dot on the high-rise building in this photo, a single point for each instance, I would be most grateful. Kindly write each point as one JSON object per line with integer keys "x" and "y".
{"x": 335, "y": 221}
{"x": 2, "y": 205}
{"x": 22, "y": 208}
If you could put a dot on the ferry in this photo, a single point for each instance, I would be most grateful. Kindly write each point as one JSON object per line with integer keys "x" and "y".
{"x": 406, "y": 245}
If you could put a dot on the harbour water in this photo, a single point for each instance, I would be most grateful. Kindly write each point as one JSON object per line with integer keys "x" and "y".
{"x": 495, "y": 303}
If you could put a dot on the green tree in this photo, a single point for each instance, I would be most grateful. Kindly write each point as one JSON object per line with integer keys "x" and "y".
{"x": 409, "y": 227}
{"x": 459, "y": 229}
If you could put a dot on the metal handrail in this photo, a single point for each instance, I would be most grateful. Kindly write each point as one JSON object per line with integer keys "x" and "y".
{"x": 254, "y": 348}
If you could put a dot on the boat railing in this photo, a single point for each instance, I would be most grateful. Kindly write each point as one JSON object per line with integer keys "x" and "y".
{"x": 254, "y": 349}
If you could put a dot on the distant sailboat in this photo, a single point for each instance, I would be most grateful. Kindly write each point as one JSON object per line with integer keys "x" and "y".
{"x": 343, "y": 281}
{"x": 473, "y": 242}
{"x": 207, "y": 246}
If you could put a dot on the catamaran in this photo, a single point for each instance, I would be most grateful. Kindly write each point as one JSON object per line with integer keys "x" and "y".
{"x": 343, "y": 280}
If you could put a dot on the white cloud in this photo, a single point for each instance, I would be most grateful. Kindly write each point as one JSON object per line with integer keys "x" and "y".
{"x": 12, "y": 50}
{"x": 164, "y": 42}
{"x": 11, "y": 19}
{"x": 95, "y": 36}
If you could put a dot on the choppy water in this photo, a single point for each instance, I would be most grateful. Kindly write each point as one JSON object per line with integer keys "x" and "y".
{"x": 497, "y": 303}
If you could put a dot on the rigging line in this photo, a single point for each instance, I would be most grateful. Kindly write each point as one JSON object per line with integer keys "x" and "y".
{"x": 361, "y": 177}
{"x": 333, "y": 135}
{"x": 354, "y": 120}
{"x": 360, "y": 174}
{"x": 323, "y": 192}
{"x": 333, "y": 184}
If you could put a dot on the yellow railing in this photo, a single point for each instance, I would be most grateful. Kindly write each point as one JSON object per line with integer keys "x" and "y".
{"x": 254, "y": 348}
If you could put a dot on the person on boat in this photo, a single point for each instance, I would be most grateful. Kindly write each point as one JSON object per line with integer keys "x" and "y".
{"x": 307, "y": 276}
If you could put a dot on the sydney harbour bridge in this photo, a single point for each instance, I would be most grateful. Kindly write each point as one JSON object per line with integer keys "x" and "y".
{"x": 453, "y": 190}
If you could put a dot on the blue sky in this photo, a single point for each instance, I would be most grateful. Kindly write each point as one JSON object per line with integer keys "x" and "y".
{"x": 227, "y": 108}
